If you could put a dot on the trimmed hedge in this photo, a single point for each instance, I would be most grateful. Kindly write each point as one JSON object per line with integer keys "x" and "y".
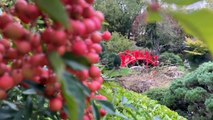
{"x": 136, "y": 106}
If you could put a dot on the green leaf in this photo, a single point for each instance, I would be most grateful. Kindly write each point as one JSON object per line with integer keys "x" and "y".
{"x": 29, "y": 109}
{"x": 95, "y": 111}
{"x": 7, "y": 113}
{"x": 57, "y": 64}
{"x": 75, "y": 62}
{"x": 11, "y": 105}
{"x": 29, "y": 92}
{"x": 75, "y": 92}
{"x": 71, "y": 104}
{"x": 198, "y": 24}
{"x": 181, "y": 2}
{"x": 55, "y": 10}
{"x": 106, "y": 105}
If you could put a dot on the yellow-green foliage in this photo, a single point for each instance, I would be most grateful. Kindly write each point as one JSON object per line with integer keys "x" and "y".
{"x": 119, "y": 43}
{"x": 195, "y": 47}
{"x": 136, "y": 106}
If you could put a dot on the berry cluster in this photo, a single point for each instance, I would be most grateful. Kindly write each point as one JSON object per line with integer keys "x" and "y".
{"x": 23, "y": 52}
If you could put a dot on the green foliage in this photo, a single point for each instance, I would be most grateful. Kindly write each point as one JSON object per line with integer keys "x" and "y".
{"x": 55, "y": 10}
{"x": 191, "y": 95}
{"x": 117, "y": 73}
{"x": 136, "y": 106}
{"x": 197, "y": 52}
{"x": 26, "y": 105}
{"x": 193, "y": 24}
{"x": 5, "y": 4}
{"x": 120, "y": 15}
{"x": 196, "y": 47}
{"x": 118, "y": 43}
{"x": 156, "y": 94}
{"x": 181, "y": 2}
{"x": 162, "y": 36}
{"x": 170, "y": 58}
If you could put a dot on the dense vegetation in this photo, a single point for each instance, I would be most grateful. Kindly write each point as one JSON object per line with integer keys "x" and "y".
{"x": 136, "y": 106}
{"x": 56, "y": 61}
{"x": 191, "y": 96}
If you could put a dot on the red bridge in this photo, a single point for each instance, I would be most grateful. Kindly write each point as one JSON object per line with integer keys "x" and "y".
{"x": 131, "y": 58}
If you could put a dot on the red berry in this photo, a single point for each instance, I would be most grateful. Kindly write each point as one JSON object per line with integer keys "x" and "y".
{"x": 2, "y": 49}
{"x": 32, "y": 12}
{"x": 49, "y": 90}
{"x": 90, "y": 25}
{"x": 103, "y": 112}
{"x": 76, "y": 10}
{"x": 59, "y": 38}
{"x": 17, "y": 76}
{"x": 155, "y": 7}
{"x": 96, "y": 37}
{"x": 55, "y": 104}
{"x": 90, "y": 1}
{"x": 100, "y": 15}
{"x": 79, "y": 48}
{"x": 38, "y": 59}
{"x": 94, "y": 86}
{"x": 14, "y": 31}
{"x": 83, "y": 75}
{"x": 93, "y": 58}
{"x": 63, "y": 115}
{"x": 6, "y": 82}
{"x": 6, "y": 43}
{"x": 100, "y": 97}
{"x": 78, "y": 28}
{"x": 94, "y": 72}
{"x": 61, "y": 50}
{"x": 5, "y": 20}
{"x": 100, "y": 80}
{"x": 1, "y": 58}
{"x": 11, "y": 53}
{"x": 3, "y": 94}
{"x": 107, "y": 36}
{"x": 35, "y": 40}
{"x": 46, "y": 36}
{"x": 88, "y": 42}
{"x": 86, "y": 117}
{"x": 23, "y": 46}
{"x": 21, "y": 8}
{"x": 97, "y": 48}
{"x": 97, "y": 23}
{"x": 88, "y": 12}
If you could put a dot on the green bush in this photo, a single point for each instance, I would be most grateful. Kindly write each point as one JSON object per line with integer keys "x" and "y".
{"x": 119, "y": 43}
{"x": 156, "y": 94}
{"x": 135, "y": 106}
{"x": 192, "y": 95}
{"x": 170, "y": 58}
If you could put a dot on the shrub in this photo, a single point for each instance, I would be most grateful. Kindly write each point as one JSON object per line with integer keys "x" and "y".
{"x": 156, "y": 94}
{"x": 196, "y": 47}
{"x": 110, "y": 60}
{"x": 192, "y": 95}
{"x": 118, "y": 43}
{"x": 136, "y": 106}
{"x": 170, "y": 58}
{"x": 196, "y": 52}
